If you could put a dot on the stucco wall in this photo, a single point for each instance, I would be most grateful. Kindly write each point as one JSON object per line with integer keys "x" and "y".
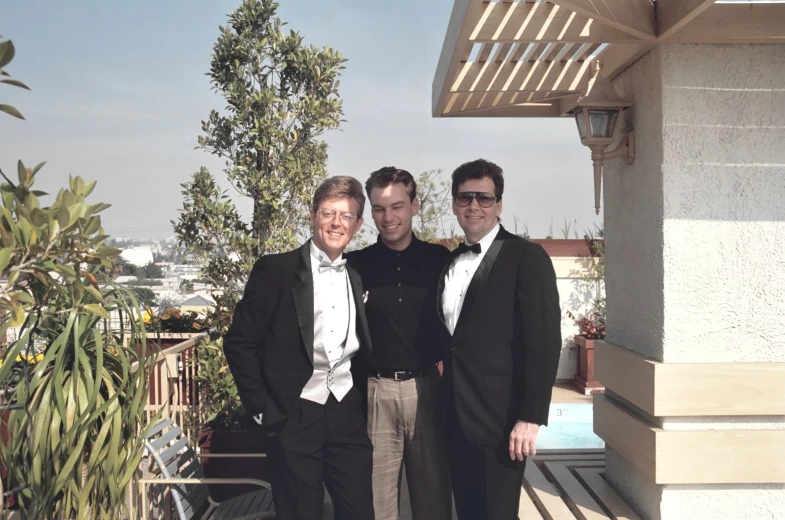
{"x": 695, "y": 228}
{"x": 633, "y": 218}
{"x": 724, "y": 192}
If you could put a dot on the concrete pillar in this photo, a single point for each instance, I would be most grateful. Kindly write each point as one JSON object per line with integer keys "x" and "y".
{"x": 694, "y": 364}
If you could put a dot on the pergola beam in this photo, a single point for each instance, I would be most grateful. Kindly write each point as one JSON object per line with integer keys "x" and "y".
{"x": 523, "y": 76}
{"x": 615, "y": 58}
{"x": 634, "y": 17}
{"x": 464, "y": 18}
{"x": 672, "y": 15}
{"x": 542, "y": 22}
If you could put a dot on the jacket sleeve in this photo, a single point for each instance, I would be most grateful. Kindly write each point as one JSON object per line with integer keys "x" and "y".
{"x": 244, "y": 342}
{"x": 539, "y": 326}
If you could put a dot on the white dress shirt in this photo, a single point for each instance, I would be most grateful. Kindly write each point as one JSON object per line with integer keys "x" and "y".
{"x": 331, "y": 304}
{"x": 459, "y": 276}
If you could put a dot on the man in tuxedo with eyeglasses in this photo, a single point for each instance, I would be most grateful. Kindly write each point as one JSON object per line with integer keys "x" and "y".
{"x": 298, "y": 349}
{"x": 499, "y": 304}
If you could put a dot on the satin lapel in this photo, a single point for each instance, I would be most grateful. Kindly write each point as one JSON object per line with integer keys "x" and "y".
{"x": 303, "y": 298}
{"x": 359, "y": 307}
{"x": 478, "y": 279}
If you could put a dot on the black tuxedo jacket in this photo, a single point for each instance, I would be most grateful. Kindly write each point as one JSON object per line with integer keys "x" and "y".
{"x": 269, "y": 345}
{"x": 500, "y": 364}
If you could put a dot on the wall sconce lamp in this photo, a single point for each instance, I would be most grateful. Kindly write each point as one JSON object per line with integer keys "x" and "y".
{"x": 598, "y": 115}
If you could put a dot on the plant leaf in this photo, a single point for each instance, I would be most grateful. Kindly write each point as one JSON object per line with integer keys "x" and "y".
{"x": 15, "y": 82}
{"x": 97, "y": 309}
{"x": 8, "y": 109}
{"x": 7, "y": 52}
{"x": 5, "y": 257}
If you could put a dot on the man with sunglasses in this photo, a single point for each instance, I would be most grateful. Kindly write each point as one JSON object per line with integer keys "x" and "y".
{"x": 298, "y": 349}
{"x": 400, "y": 273}
{"x": 499, "y": 305}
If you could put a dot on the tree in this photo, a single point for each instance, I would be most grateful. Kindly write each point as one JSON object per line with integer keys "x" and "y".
{"x": 152, "y": 271}
{"x": 281, "y": 95}
{"x": 435, "y": 195}
{"x": 126, "y": 268}
{"x": 186, "y": 287}
{"x": 145, "y": 296}
{"x": 7, "y": 52}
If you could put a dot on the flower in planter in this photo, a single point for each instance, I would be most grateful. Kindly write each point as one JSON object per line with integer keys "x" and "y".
{"x": 174, "y": 320}
{"x": 590, "y": 326}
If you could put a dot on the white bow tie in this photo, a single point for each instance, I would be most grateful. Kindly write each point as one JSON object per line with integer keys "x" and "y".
{"x": 325, "y": 265}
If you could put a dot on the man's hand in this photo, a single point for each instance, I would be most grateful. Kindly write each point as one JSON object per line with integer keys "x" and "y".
{"x": 523, "y": 440}
{"x": 440, "y": 367}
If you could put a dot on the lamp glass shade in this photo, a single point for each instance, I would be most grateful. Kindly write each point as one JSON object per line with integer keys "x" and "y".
{"x": 580, "y": 119}
{"x": 602, "y": 122}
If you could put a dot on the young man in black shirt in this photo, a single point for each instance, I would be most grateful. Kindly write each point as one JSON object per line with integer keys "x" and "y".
{"x": 400, "y": 274}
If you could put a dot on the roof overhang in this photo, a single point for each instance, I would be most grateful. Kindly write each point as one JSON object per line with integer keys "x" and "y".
{"x": 532, "y": 58}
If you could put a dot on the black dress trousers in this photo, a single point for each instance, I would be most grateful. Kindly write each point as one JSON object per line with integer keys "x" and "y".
{"x": 486, "y": 484}
{"x": 322, "y": 444}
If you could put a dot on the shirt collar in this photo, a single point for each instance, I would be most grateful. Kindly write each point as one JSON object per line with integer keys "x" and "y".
{"x": 415, "y": 241}
{"x": 487, "y": 240}
{"x": 320, "y": 255}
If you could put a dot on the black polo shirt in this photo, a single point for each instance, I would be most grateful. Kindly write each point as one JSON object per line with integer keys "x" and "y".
{"x": 401, "y": 302}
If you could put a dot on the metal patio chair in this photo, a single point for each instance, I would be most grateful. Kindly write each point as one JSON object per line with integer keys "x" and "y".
{"x": 178, "y": 468}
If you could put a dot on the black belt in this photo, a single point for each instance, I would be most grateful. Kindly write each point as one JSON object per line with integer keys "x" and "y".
{"x": 399, "y": 375}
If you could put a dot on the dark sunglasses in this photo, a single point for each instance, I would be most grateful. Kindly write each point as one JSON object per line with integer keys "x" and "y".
{"x": 484, "y": 199}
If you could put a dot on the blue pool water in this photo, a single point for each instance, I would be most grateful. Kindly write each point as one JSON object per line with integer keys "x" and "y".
{"x": 569, "y": 426}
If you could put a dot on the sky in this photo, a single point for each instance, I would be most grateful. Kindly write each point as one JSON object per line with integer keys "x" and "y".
{"x": 119, "y": 92}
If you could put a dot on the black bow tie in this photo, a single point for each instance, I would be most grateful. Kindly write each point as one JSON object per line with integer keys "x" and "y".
{"x": 463, "y": 248}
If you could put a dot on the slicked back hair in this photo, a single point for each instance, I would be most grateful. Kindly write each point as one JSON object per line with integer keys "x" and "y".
{"x": 390, "y": 175}
{"x": 478, "y": 169}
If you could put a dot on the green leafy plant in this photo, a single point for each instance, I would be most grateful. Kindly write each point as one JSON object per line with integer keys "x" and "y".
{"x": 435, "y": 196}
{"x": 592, "y": 324}
{"x": 217, "y": 390}
{"x": 74, "y": 432}
{"x": 7, "y": 52}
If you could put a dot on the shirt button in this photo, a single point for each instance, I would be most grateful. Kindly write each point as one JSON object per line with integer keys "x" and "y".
{"x": 400, "y": 299}
{"x": 399, "y": 284}
{"x": 399, "y": 268}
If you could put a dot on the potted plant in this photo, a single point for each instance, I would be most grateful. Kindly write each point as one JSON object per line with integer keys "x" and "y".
{"x": 591, "y": 327}
{"x": 172, "y": 326}
{"x": 74, "y": 427}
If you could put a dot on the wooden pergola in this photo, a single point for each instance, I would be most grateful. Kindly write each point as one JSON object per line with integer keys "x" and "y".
{"x": 532, "y": 58}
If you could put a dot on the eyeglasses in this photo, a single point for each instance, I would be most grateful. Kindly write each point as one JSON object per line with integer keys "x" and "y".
{"x": 328, "y": 215}
{"x": 484, "y": 199}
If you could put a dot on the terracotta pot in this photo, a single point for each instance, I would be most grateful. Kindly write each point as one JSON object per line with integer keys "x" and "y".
{"x": 232, "y": 441}
{"x": 584, "y": 380}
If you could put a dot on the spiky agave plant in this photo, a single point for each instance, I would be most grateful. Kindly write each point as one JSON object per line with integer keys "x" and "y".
{"x": 76, "y": 439}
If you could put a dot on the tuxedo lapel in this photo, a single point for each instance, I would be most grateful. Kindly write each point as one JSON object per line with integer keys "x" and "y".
{"x": 479, "y": 278}
{"x": 359, "y": 305}
{"x": 303, "y": 298}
